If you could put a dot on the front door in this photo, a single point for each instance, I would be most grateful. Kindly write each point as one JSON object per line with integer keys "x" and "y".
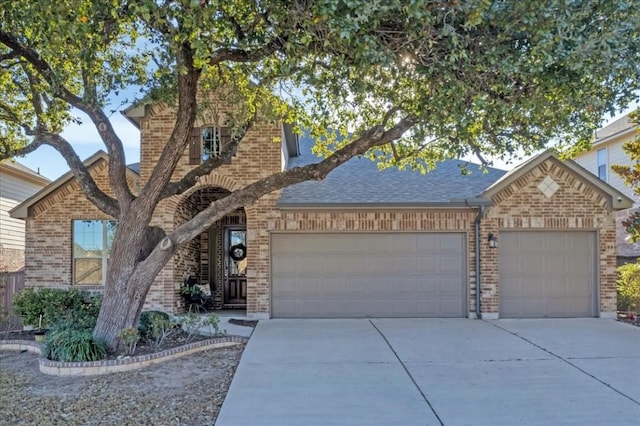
{"x": 235, "y": 267}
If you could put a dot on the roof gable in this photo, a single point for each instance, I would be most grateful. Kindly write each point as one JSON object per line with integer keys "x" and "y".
{"x": 616, "y": 199}
{"x": 21, "y": 211}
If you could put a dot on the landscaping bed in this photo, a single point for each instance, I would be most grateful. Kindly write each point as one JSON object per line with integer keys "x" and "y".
{"x": 185, "y": 391}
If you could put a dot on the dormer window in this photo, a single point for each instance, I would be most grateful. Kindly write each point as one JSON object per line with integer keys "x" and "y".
{"x": 207, "y": 142}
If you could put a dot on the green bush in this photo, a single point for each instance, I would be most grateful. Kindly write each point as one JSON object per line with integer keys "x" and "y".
{"x": 629, "y": 287}
{"x": 56, "y": 305}
{"x": 128, "y": 338}
{"x": 147, "y": 317}
{"x": 69, "y": 343}
{"x": 160, "y": 327}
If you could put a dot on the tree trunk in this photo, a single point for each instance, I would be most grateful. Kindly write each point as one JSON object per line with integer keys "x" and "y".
{"x": 118, "y": 311}
{"x": 129, "y": 277}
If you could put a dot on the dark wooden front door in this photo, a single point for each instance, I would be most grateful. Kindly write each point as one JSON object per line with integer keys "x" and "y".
{"x": 235, "y": 266}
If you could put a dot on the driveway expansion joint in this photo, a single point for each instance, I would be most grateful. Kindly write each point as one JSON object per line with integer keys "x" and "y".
{"x": 566, "y": 360}
{"x": 408, "y": 373}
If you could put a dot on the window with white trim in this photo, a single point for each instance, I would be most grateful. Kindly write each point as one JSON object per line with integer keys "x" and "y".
{"x": 92, "y": 240}
{"x": 602, "y": 164}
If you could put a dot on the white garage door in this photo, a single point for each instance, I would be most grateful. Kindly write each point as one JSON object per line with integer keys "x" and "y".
{"x": 547, "y": 274}
{"x": 368, "y": 275}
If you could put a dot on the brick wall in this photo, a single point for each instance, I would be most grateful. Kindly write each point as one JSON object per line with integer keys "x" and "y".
{"x": 259, "y": 155}
{"x": 461, "y": 220}
{"x": 575, "y": 206}
{"x": 48, "y": 254}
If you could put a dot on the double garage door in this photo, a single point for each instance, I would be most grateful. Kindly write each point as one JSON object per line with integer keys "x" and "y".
{"x": 368, "y": 275}
{"x": 542, "y": 274}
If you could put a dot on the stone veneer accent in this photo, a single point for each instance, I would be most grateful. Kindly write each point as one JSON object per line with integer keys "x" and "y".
{"x": 94, "y": 368}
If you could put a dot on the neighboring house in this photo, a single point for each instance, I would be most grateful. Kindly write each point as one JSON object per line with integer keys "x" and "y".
{"x": 17, "y": 183}
{"x": 607, "y": 151}
{"x": 540, "y": 239}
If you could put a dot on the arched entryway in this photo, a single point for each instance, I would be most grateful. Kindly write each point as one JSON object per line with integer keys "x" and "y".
{"x": 216, "y": 257}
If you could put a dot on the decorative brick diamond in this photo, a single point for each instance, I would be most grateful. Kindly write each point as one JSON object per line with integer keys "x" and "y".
{"x": 548, "y": 187}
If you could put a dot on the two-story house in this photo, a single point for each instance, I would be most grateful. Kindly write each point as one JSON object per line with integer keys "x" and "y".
{"x": 538, "y": 241}
{"x": 17, "y": 183}
{"x": 607, "y": 151}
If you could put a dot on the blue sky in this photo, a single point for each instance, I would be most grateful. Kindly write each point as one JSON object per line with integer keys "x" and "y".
{"x": 86, "y": 141}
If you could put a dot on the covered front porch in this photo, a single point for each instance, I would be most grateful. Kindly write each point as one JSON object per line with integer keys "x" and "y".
{"x": 212, "y": 268}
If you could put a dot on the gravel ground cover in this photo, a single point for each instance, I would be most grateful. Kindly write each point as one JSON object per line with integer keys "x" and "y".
{"x": 186, "y": 391}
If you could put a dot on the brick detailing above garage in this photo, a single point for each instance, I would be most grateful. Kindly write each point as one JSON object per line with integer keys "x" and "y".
{"x": 422, "y": 220}
{"x": 576, "y": 205}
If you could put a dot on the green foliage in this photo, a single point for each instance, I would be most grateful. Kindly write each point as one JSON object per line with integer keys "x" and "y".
{"x": 212, "y": 322}
{"x": 69, "y": 343}
{"x": 160, "y": 327}
{"x": 46, "y": 307}
{"x": 129, "y": 337}
{"x": 629, "y": 287}
{"x": 147, "y": 317}
{"x": 481, "y": 76}
{"x": 190, "y": 323}
{"x": 191, "y": 291}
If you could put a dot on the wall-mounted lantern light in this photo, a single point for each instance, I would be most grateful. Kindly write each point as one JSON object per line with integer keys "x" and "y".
{"x": 493, "y": 241}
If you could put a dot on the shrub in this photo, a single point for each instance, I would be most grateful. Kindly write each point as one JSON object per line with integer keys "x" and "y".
{"x": 56, "y": 305}
{"x": 190, "y": 324}
{"x": 629, "y": 287}
{"x": 146, "y": 318}
{"x": 129, "y": 337}
{"x": 67, "y": 343}
{"x": 213, "y": 323}
{"x": 160, "y": 327}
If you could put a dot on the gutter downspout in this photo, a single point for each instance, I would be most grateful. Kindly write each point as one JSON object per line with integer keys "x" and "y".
{"x": 477, "y": 249}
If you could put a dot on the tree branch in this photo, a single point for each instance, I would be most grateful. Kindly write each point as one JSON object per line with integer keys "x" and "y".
{"x": 375, "y": 136}
{"x": 228, "y": 54}
{"x": 179, "y": 138}
{"x": 117, "y": 167}
{"x": 88, "y": 185}
{"x": 190, "y": 179}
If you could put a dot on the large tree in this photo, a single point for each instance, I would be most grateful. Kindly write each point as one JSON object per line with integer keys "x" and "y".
{"x": 416, "y": 80}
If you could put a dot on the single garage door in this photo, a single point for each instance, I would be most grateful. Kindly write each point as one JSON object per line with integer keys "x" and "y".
{"x": 547, "y": 274}
{"x": 368, "y": 275}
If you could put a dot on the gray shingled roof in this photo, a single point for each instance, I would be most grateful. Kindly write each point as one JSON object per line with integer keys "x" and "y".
{"x": 134, "y": 167}
{"x": 360, "y": 182}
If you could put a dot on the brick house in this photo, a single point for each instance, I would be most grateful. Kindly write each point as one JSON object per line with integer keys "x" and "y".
{"x": 539, "y": 240}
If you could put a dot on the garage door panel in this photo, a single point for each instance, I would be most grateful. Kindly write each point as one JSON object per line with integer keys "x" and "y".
{"x": 368, "y": 275}
{"x": 547, "y": 274}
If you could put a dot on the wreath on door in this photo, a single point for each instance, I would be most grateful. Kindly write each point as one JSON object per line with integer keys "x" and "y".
{"x": 238, "y": 252}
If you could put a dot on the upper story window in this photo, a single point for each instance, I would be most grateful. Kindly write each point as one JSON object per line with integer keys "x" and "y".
{"x": 602, "y": 164}
{"x": 92, "y": 240}
{"x": 207, "y": 142}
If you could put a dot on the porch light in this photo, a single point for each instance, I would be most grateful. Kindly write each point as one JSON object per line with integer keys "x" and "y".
{"x": 493, "y": 240}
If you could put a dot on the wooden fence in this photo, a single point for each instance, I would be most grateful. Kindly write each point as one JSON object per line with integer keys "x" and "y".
{"x": 10, "y": 284}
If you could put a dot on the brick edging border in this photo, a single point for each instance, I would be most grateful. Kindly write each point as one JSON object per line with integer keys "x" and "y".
{"x": 94, "y": 368}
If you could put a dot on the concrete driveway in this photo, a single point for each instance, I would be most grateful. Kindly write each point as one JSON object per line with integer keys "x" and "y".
{"x": 437, "y": 371}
